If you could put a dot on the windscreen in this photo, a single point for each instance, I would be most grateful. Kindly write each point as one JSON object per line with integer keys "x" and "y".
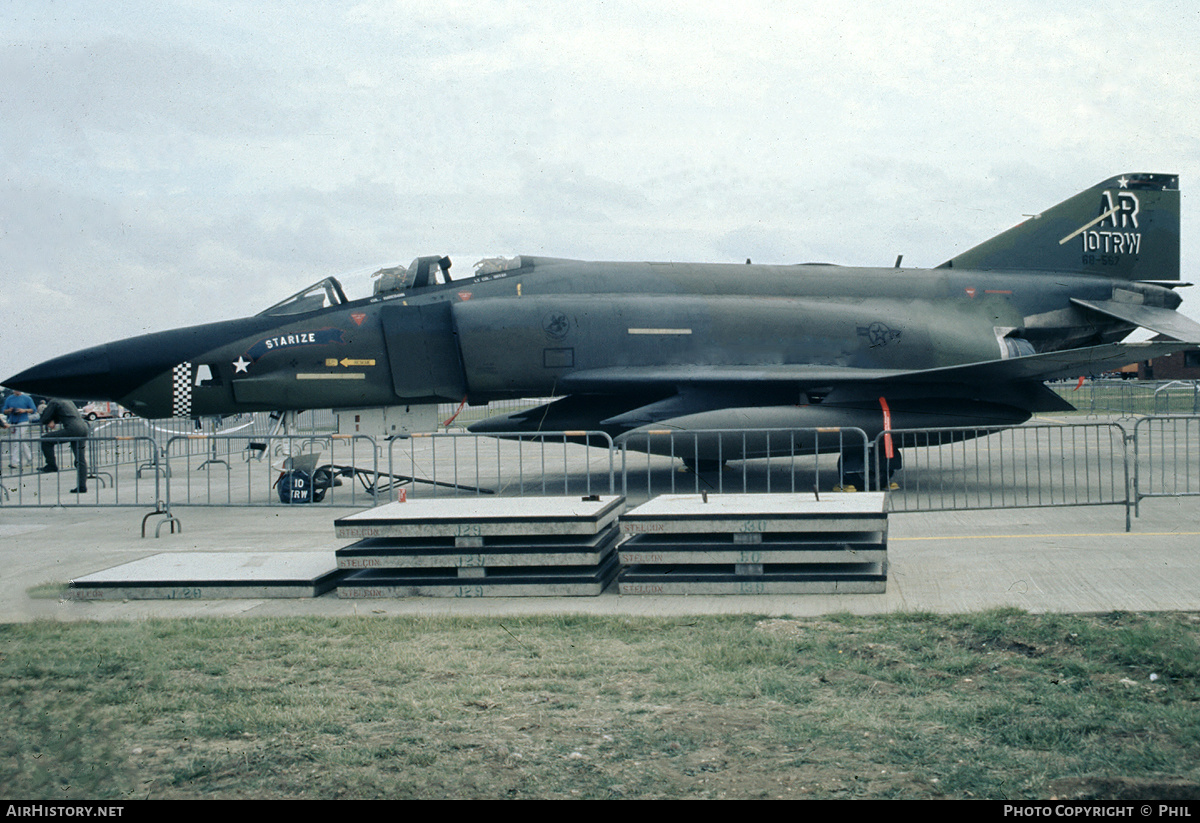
{"x": 318, "y": 296}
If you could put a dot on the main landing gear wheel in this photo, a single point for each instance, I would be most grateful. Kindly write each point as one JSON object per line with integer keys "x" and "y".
{"x": 853, "y": 474}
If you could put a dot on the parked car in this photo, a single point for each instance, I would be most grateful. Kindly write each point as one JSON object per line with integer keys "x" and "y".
{"x": 104, "y": 409}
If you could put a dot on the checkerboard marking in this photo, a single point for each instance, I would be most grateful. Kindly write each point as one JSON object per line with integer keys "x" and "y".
{"x": 181, "y": 401}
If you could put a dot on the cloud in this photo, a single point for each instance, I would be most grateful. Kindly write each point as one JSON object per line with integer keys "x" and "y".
{"x": 168, "y": 163}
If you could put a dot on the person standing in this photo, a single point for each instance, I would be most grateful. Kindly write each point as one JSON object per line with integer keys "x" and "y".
{"x": 71, "y": 426}
{"x": 18, "y": 406}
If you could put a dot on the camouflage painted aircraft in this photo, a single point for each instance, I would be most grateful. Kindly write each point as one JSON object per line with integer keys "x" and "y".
{"x": 632, "y": 347}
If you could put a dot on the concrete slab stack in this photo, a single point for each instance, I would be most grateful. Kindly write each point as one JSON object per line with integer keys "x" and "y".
{"x": 756, "y": 544}
{"x": 211, "y": 576}
{"x": 481, "y": 547}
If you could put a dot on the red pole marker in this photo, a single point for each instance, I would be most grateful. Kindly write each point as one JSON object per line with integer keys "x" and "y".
{"x": 888, "y": 451}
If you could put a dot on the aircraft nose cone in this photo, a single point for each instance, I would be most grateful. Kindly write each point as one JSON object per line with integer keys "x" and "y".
{"x": 79, "y": 375}
{"x": 116, "y": 370}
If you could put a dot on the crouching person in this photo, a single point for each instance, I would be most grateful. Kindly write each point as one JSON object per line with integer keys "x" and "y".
{"x": 62, "y": 416}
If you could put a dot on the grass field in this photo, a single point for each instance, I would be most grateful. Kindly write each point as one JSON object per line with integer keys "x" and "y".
{"x": 991, "y": 705}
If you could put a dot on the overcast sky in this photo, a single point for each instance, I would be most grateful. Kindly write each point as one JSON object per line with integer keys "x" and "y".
{"x": 175, "y": 163}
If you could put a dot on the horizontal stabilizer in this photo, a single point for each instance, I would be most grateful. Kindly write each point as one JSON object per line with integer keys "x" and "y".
{"x": 1164, "y": 321}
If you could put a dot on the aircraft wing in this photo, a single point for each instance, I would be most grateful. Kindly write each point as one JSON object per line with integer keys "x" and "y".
{"x": 1035, "y": 367}
{"x": 633, "y": 377}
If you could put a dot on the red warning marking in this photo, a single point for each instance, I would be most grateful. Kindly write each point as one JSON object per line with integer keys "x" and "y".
{"x": 464, "y": 296}
{"x": 456, "y": 413}
{"x": 888, "y": 451}
{"x": 970, "y": 291}
{"x": 358, "y": 317}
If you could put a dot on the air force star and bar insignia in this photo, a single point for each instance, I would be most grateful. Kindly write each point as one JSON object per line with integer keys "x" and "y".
{"x": 879, "y": 334}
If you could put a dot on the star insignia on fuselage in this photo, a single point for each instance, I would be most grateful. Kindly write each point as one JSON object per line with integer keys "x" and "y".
{"x": 879, "y": 334}
{"x": 240, "y": 365}
{"x": 1123, "y": 181}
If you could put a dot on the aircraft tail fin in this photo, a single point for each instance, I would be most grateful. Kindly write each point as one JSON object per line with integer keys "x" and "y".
{"x": 1125, "y": 227}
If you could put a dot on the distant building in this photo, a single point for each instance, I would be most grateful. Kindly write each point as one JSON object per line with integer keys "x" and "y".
{"x": 1182, "y": 365}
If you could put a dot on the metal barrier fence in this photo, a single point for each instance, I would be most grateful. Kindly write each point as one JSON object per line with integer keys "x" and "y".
{"x": 20, "y": 448}
{"x": 516, "y": 463}
{"x": 256, "y": 424}
{"x": 1075, "y": 464}
{"x": 248, "y": 470}
{"x": 1127, "y": 398}
{"x": 1078, "y": 464}
{"x": 1160, "y": 442}
{"x": 106, "y": 484}
{"x": 772, "y": 469}
{"x": 111, "y": 438}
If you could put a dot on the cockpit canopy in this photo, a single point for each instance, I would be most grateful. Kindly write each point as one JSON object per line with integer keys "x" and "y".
{"x": 423, "y": 271}
{"x": 420, "y": 273}
{"x": 322, "y": 295}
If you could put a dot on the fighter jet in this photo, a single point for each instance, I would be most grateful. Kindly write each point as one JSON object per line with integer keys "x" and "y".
{"x": 633, "y": 347}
